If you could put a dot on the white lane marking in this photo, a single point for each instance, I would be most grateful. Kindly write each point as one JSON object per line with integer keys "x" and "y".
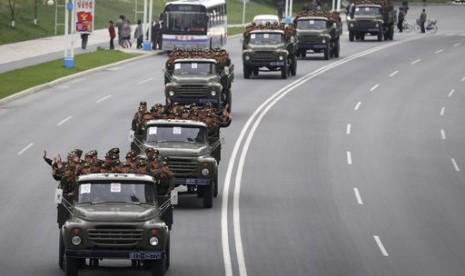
{"x": 374, "y": 87}
{"x": 349, "y": 158}
{"x": 144, "y": 81}
{"x": 103, "y": 99}
{"x": 25, "y": 149}
{"x": 415, "y": 61}
{"x": 463, "y": 79}
{"x": 454, "y": 163}
{"x": 358, "y": 105}
{"x": 451, "y": 93}
{"x": 393, "y": 74}
{"x": 442, "y": 110}
{"x": 439, "y": 51}
{"x": 380, "y": 245}
{"x": 227, "y": 182}
{"x": 64, "y": 121}
{"x": 457, "y": 44}
{"x": 443, "y": 134}
{"x": 357, "y": 196}
{"x": 349, "y": 126}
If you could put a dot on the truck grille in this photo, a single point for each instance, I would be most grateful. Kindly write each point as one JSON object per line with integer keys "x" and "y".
{"x": 182, "y": 167}
{"x": 264, "y": 56}
{"x": 308, "y": 39}
{"x": 364, "y": 24}
{"x": 190, "y": 91}
{"x": 113, "y": 235}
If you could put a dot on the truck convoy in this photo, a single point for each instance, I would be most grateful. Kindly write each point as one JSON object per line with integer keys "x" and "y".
{"x": 270, "y": 47}
{"x": 372, "y": 17}
{"x": 199, "y": 76}
{"x": 318, "y": 32}
{"x": 115, "y": 216}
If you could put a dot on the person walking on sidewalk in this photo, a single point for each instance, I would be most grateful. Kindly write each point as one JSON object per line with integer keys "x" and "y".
{"x": 423, "y": 20}
{"x": 111, "y": 31}
{"x": 84, "y": 38}
{"x": 126, "y": 34}
{"x": 119, "y": 25}
{"x": 139, "y": 34}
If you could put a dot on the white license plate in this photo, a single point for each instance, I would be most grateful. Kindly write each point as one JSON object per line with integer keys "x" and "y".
{"x": 145, "y": 255}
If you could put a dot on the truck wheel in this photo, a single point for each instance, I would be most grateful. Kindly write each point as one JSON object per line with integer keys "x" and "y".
{"x": 351, "y": 36}
{"x": 391, "y": 32}
{"x": 304, "y": 53}
{"x": 208, "y": 196}
{"x": 380, "y": 35}
{"x": 71, "y": 266}
{"x": 157, "y": 267}
{"x": 284, "y": 72}
{"x": 247, "y": 72}
{"x": 293, "y": 66}
{"x": 327, "y": 52}
{"x": 337, "y": 49}
{"x": 61, "y": 252}
{"x": 215, "y": 187}
{"x": 167, "y": 253}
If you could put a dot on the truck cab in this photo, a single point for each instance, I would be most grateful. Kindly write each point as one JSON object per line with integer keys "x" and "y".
{"x": 191, "y": 154}
{"x": 372, "y": 19}
{"x": 116, "y": 216}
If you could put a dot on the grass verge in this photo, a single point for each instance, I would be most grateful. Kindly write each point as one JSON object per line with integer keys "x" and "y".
{"x": 24, "y": 78}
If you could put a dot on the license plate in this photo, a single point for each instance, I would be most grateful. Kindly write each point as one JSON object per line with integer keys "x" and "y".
{"x": 145, "y": 255}
{"x": 278, "y": 63}
{"x": 196, "y": 181}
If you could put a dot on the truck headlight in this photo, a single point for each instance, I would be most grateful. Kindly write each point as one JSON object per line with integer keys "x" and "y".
{"x": 247, "y": 58}
{"x": 213, "y": 93}
{"x": 76, "y": 240}
{"x": 171, "y": 93}
{"x": 153, "y": 241}
{"x": 205, "y": 172}
{"x": 323, "y": 41}
{"x": 281, "y": 58}
{"x": 351, "y": 25}
{"x": 377, "y": 25}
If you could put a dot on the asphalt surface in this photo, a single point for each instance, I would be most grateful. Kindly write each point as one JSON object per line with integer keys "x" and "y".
{"x": 352, "y": 167}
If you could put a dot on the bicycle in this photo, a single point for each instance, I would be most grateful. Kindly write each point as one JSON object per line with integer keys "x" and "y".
{"x": 430, "y": 26}
{"x": 406, "y": 26}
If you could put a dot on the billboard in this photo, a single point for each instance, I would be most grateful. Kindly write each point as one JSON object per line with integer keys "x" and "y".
{"x": 84, "y": 14}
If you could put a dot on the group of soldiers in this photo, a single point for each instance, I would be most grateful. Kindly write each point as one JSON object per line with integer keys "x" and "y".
{"x": 288, "y": 30}
{"x": 220, "y": 55}
{"x": 386, "y": 5}
{"x": 206, "y": 113}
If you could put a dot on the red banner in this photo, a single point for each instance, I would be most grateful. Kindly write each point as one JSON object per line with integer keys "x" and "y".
{"x": 84, "y": 10}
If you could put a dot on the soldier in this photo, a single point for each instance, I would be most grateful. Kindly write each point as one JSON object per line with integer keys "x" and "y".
{"x": 86, "y": 169}
{"x": 141, "y": 167}
{"x": 68, "y": 185}
{"x": 164, "y": 179}
{"x": 126, "y": 168}
{"x": 116, "y": 166}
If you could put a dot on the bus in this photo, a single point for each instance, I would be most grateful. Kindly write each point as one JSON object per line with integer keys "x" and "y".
{"x": 194, "y": 24}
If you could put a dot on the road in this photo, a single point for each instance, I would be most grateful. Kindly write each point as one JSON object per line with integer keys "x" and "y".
{"x": 353, "y": 167}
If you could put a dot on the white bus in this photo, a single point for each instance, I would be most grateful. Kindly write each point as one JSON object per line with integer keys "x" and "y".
{"x": 195, "y": 24}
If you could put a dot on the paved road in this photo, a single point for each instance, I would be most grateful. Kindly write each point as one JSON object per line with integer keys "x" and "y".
{"x": 353, "y": 167}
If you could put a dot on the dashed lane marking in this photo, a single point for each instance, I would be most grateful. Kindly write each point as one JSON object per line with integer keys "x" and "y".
{"x": 439, "y": 51}
{"x": 451, "y": 93}
{"x": 357, "y": 196}
{"x": 144, "y": 81}
{"x": 348, "y": 129}
{"x": 104, "y": 98}
{"x": 64, "y": 121}
{"x": 374, "y": 87}
{"x": 454, "y": 163}
{"x": 25, "y": 149}
{"x": 442, "y": 111}
{"x": 349, "y": 158}
{"x": 415, "y": 61}
{"x": 381, "y": 246}
{"x": 358, "y": 105}
{"x": 443, "y": 134}
{"x": 393, "y": 74}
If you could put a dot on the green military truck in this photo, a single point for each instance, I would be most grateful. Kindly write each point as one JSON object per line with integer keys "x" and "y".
{"x": 115, "y": 216}
{"x": 372, "y": 17}
{"x": 199, "y": 76}
{"x": 271, "y": 48}
{"x": 318, "y": 32}
{"x": 192, "y": 155}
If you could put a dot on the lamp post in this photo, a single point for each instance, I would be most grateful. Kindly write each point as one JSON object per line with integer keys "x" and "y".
{"x": 69, "y": 50}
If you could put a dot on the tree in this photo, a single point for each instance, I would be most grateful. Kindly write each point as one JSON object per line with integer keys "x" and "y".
{"x": 12, "y": 6}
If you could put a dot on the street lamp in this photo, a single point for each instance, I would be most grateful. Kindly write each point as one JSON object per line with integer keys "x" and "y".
{"x": 69, "y": 50}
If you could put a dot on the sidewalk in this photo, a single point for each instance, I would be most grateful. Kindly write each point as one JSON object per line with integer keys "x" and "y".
{"x": 26, "y": 53}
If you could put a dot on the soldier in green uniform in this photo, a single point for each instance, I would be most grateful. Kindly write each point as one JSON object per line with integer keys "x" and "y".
{"x": 68, "y": 185}
{"x": 164, "y": 179}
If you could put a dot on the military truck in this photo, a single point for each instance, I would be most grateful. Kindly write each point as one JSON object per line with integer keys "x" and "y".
{"x": 199, "y": 76}
{"x": 115, "y": 216}
{"x": 270, "y": 48}
{"x": 318, "y": 32}
{"x": 372, "y": 17}
{"x": 192, "y": 155}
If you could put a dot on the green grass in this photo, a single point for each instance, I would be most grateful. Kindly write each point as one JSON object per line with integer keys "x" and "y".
{"x": 49, "y": 71}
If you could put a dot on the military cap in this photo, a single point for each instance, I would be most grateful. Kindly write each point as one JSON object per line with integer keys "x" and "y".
{"x": 131, "y": 154}
{"x": 141, "y": 163}
{"x": 93, "y": 152}
{"x": 114, "y": 151}
{"x": 164, "y": 163}
{"x": 149, "y": 149}
{"x": 78, "y": 152}
{"x": 86, "y": 165}
{"x": 143, "y": 103}
{"x": 71, "y": 155}
{"x": 115, "y": 162}
{"x": 126, "y": 164}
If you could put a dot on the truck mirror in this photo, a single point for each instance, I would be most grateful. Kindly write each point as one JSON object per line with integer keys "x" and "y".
{"x": 131, "y": 136}
{"x": 334, "y": 25}
{"x": 226, "y": 70}
{"x": 58, "y": 196}
{"x": 292, "y": 39}
{"x": 174, "y": 197}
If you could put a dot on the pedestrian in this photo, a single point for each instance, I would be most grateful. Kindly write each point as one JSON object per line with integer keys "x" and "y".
{"x": 126, "y": 34}
{"x": 139, "y": 34}
{"x": 400, "y": 20}
{"x": 111, "y": 31}
{"x": 423, "y": 20}
{"x": 154, "y": 38}
{"x": 119, "y": 25}
{"x": 84, "y": 38}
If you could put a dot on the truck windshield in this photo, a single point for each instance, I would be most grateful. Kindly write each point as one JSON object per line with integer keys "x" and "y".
{"x": 194, "y": 68}
{"x": 185, "y": 22}
{"x": 108, "y": 191}
{"x": 266, "y": 38}
{"x": 156, "y": 134}
{"x": 364, "y": 11}
{"x": 311, "y": 24}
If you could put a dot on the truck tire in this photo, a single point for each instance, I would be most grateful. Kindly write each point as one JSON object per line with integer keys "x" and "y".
{"x": 284, "y": 72}
{"x": 255, "y": 72}
{"x": 71, "y": 266}
{"x": 391, "y": 32}
{"x": 61, "y": 252}
{"x": 303, "y": 53}
{"x": 293, "y": 66}
{"x": 351, "y": 36}
{"x": 380, "y": 35}
{"x": 215, "y": 187}
{"x": 167, "y": 253}
{"x": 247, "y": 72}
{"x": 337, "y": 48}
{"x": 208, "y": 196}
{"x": 327, "y": 52}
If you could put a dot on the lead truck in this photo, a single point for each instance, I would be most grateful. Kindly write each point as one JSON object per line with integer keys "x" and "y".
{"x": 372, "y": 17}
{"x": 115, "y": 216}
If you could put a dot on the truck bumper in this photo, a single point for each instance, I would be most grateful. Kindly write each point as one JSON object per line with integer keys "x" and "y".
{"x": 192, "y": 181}
{"x": 252, "y": 63}
{"x": 200, "y": 101}
{"x": 116, "y": 254}
{"x": 312, "y": 46}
